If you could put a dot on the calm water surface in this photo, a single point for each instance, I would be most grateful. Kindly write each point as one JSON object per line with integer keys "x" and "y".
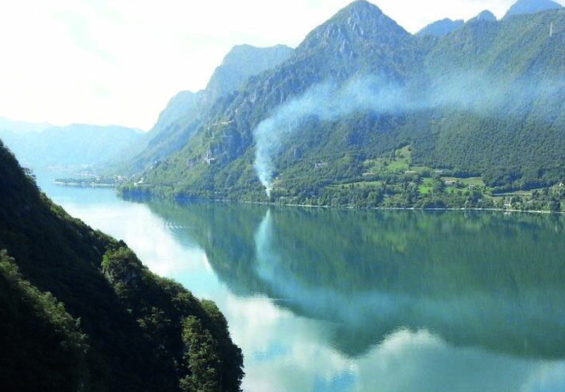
{"x": 361, "y": 301}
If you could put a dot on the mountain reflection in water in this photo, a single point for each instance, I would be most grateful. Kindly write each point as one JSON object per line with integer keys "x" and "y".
{"x": 330, "y": 300}
{"x": 484, "y": 280}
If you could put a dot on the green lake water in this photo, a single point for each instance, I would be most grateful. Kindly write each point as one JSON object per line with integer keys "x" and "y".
{"x": 332, "y": 300}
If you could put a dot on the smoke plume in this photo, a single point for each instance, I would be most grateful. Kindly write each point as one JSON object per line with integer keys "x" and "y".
{"x": 329, "y": 102}
{"x": 326, "y": 101}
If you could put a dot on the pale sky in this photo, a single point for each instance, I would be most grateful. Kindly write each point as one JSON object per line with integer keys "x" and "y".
{"x": 119, "y": 62}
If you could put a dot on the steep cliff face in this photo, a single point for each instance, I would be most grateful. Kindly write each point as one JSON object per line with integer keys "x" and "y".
{"x": 80, "y": 312}
{"x": 183, "y": 115}
{"x": 241, "y": 63}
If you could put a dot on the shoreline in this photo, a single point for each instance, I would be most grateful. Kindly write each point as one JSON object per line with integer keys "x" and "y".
{"x": 180, "y": 199}
{"x": 462, "y": 209}
{"x": 84, "y": 184}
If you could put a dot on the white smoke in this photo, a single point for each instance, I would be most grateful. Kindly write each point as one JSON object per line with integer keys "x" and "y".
{"x": 325, "y": 101}
{"x": 328, "y": 102}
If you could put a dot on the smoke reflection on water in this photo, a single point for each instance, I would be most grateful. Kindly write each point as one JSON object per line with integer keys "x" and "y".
{"x": 289, "y": 351}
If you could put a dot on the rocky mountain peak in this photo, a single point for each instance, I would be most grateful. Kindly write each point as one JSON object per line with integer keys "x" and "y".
{"x": 360, "y": 9}
{"x": 358, "y": 24}
{"x": 525, "y": 7}
{"x": 485, "y": 16}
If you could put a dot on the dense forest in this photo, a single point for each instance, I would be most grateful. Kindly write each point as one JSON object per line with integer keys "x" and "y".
{"x": 80, "y": 312}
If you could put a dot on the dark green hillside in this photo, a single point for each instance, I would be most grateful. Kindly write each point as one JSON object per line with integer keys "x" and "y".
{"x": 520, "y": 77}
{"x": 80, "y": 312}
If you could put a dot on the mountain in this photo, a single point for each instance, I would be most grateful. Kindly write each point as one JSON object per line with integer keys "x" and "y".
{"x": 167, "y": 135}
{"x": 242, "y": 62}
{"x": 359, "y": 38}
{"x": 365, "y": 113}
{"x": 441, "y": 28}
{"x": 73, "y": 146}
{"x": 182, "y": 103}
{"x": 79, "y": 311}
{"x": 180, "y": 119}
{"x": 485, "y": 16}
{"x": 327, "y": 45}
{"x": 22, "y": 126}
{"x": 526, "y": 7}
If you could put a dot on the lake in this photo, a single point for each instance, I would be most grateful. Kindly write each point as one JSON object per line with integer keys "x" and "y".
{"x": 334, "y": 300}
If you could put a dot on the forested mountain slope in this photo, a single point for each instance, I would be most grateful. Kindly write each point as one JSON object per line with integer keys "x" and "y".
{"x": 79, "y": 312}
{"x": 363, "y": 103}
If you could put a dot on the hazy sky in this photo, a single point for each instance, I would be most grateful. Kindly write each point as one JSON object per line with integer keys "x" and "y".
{"x": 119, "y": 62}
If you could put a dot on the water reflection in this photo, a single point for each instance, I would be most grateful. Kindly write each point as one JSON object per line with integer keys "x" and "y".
{"x": 365, "y": 301}
{"x": 481, "y": 280}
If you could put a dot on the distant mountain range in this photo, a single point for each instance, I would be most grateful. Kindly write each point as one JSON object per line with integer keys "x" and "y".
{"x": 483, "y": 100}
{"x": 70, "y": 147}
{"x": 522, "y": 7}
{"x": 22, "y": 126}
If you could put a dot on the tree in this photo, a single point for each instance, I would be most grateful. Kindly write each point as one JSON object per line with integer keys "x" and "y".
{"x": 438, "y": 186}
{"x": 200, "y": 357}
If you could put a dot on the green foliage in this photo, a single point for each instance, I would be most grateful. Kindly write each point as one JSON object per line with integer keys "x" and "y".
{"x": 161, "y": 307}
{"x": 201, "y": 358}
{"x": 43, "y": 347}
{"x": 130, "y": 334}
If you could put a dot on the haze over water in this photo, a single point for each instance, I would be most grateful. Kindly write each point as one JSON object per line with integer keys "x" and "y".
{"x": 330, "y": 300}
